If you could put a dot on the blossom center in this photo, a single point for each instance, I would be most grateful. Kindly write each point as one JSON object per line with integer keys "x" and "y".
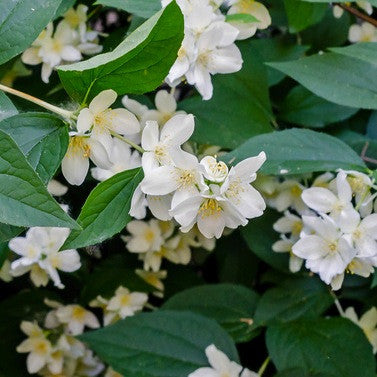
{"x": 41, "y": 347}
{"x": 210, "y": 207}
{"x": 78, "y": 145}
{"x": 78, "y": 313}
{"x": 186, "y": 178}
{"x": 296, "y": 191}
{"x": 149, "y": 235}
{"x": 333, "y": 247}
{"x": 125, "y": 300}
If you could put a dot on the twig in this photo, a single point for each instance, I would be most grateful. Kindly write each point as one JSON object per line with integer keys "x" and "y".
{"x": 357, "y": 13}
{"x": 366, "y": 158}
{"x": 263, "y": 367}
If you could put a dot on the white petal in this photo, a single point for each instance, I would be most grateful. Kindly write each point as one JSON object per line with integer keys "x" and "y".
{"x": 185, "y": 212}
{"x": 85, "y": 120}
{"x": 71, "y": 54}
{"x": 103, "y": 101}
{"x": 30, "y": 56}
{"x": 310, "y": 247}
{"x": 98, "y": 154}
{"x": 160, "y": 181}
{"x": 320, "y": 199}
{"x": 343, "y": 187}
{"x": 35, "y": 362}
{"x": 211, "y": 226}
{"x": 124, "y": 122}
{"x": 246, "y": 169}
{"x": 165, "y": 102}
{"x": 178, "y": 129}
{"x": 226, "y": 60}
{"x": 149, "y": 138}
{"x": 75, "y": 167}
{"x": 160, "y": 206}
{"x": 69, "y": 260}
{"x": 46, "y": 72}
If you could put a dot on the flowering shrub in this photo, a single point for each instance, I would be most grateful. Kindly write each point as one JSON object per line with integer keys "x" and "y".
{"x": 188, "y": 188}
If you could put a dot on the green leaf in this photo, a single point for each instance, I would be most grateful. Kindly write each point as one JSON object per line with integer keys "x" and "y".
{"x": 304, "y": 108}
{"x": 298, "y": 372}
{"x": 21, "y": 21}
{"x": 43, "y": 138}
{"x": 275, "y": 50}
{"x": 159, "y": 344}
{"x": 338, "y": 77}
{"x": 295, "y": 298}
{"x": 24, "y": 200}
{"x": 7, "y": 109}
{"x": 241, "y": 17}
{"x": 7, "y": 232}
{"x": 232, "y": 306}
{"x": 333, "y": 346}
{"x": 228, "y": 122}
{"x": 63, "y": 7}
{"x": 260, "y": 236}
{"x": 298, "y": 151}
{"x": 302, "y": 15}
{"x": 145, "y": 8}
{"x": 373, "y": 2}
{"x": 138, "y": 65}
{"x": 105, "y": 212}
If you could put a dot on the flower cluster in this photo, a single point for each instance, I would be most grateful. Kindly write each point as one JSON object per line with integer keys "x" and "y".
{"x": 208, "y": 46}
{"x": 365, "y": 32}
{"x": 123, "y": 304}
{"x": 93, "y": 139}
{"x": 41, "y": 256}
{"x": 334, "y": 228}
{"x": 220, "y": 366}
{"x": 53, "y": 350}
{"x": 155, "y": 240}
{"x": 364, "y": 5}
{"x": 176, "y": 185}
{"x": 67, "y": 43}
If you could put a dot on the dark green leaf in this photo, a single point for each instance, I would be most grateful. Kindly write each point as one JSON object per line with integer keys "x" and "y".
{"x": 159, "y": 344}
{"x": 298, "y": 372}
{"x": 277, "y": 49}
{"x": 138, "y": 65}
{"x": 145, "y": 8}
{"x": 304, "y": 108}
{"x": 339, "y": 77}
{"x": 297, "y": 151}
{"x": 43, "y": 138}
{"x": 228, "y": 122}
{"x": 333, "y": 346}
{"x": 232, "y": 306}
{"x": 7, "y": 232}
{"x": 260, "y": 236}
{"x": 373, "y": 2}
{"x": 105, "y": 212}
{"x": 21, "y": 21}
{"x": 24, "y": 201}
{"x": 302, "y": 15}
{"x": 295, "y": 298}
{"x": 7, "y": 109}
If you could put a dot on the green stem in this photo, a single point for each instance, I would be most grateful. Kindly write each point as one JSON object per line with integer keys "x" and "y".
{"x": 263, "y": 368}
{"x": 337, "y": 304}
{"x": 129, "y": 142}
{"x": 57, "y": 110}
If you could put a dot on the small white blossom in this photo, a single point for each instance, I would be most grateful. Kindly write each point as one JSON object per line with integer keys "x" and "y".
{"x": 39, "y": 251}
{"x": 365, "y": 32}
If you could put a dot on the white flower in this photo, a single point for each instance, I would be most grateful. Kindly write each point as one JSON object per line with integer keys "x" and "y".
{"x": 153, "y": 278}
{"x": 216, "y": 53}
{"x": 367, "y": 322}
{"x": 325, "y": 201}
{"x": 289, "y": 195}
{"x": 183, "y": 179}
{"x": 220, "y": 365}
{"x": 365, "y": 32}
{"x": 211, "y": 212}
{"x": 103, "y": 121}
{"x": 76, "y": 17}
{"x": 327, "y": 251}
{"x": 254, "y": 8}
{"x": 144, "y": 236}
{"x": 166, "y": 108}
{"x": 5, "y": 271}
{"x": 289, "y": 223}
{"x": 162, "y": 147}
{"x": 237, "y": 189}
{"x": 40, "y": 254}
{"x": 38, "y": 347}
{"x": 134, "y": 106}
{"x": 52, "y": 50}
{"x": 81, "y": 148}
{"x": 213, "y": 170}
{"x": 75, "y": 318}
{"x": 124, "y": 304}
{"x": 121, "y": 157}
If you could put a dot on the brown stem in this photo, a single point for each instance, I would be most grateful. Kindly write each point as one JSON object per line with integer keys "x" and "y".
{"x": 357, "y": 13}
{"x": 365, "y": 157}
